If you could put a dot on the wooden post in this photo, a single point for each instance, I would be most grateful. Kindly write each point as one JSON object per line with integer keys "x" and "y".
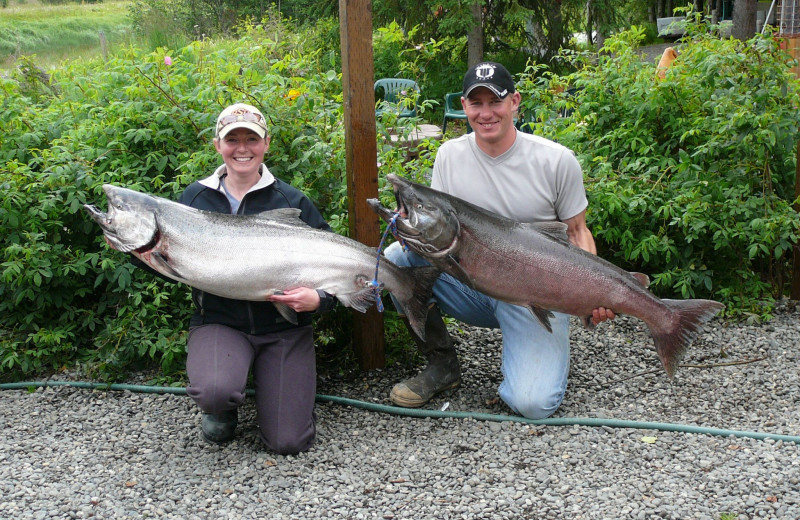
{"x": 794, "y": 291}
{"x": 355, "y": 20}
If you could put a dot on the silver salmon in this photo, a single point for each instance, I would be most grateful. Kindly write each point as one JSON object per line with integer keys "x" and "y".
{"x": 252, "y": 257}
{"x": 534, "y": 265}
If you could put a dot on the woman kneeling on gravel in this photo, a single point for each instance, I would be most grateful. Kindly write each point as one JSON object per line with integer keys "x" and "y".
{"x": 229, "y": 337}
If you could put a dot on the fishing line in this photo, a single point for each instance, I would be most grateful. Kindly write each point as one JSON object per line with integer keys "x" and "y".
{"x": 440, "y": 414}
{"x": 392, "y": 227}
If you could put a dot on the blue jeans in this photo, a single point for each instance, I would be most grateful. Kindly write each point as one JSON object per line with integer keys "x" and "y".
{"x": 535, "y": 363}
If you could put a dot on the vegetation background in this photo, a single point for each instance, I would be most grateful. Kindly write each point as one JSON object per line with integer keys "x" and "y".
{"x": 690, "y": 177}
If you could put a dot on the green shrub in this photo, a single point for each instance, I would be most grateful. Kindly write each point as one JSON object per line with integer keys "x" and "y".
{"x": 690, "y": 178}
{"x": 65, "y": 297}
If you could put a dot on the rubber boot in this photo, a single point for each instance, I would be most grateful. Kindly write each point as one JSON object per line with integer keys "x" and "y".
{"x": 219, "y": 428}
{"x": 443, "y": 371}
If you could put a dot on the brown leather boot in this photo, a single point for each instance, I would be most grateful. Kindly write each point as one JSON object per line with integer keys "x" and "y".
{"x": 443, "y": 371}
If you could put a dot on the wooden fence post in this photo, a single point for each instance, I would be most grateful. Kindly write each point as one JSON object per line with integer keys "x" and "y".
{"x": 355, "y": 20}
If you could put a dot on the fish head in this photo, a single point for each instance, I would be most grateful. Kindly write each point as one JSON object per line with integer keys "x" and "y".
{"x": 130, "y": 223}
{"x": 427, "y": 221}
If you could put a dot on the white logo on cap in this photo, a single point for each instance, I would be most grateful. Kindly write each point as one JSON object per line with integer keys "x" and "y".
{"x": 484, "y": 71}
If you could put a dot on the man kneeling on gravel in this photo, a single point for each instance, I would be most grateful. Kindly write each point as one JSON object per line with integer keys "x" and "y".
{"x": 525, "y": 178}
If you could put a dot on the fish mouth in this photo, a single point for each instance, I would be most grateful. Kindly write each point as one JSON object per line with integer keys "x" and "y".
{"x": 405, "y": 220}
{"x": 98, "y": 216}
{"x": 422, "y": 230}
{"x": 403, "y": 226}
{"x": 104, "y": 221}
{"x": 112, "y": 238}
{"x": 402, "y": 217}
{"x": 402, "y": 207}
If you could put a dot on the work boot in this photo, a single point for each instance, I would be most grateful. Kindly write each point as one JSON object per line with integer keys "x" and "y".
{"x": 219, "y": 428}
{"x": 443, "y": 371}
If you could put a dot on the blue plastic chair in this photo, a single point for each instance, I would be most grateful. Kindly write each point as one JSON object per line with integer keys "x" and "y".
{"x": 392, "y": 91}
{"x": 452, "y": 100}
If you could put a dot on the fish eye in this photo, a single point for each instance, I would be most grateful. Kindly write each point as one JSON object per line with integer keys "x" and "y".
{"x": 419, "y": 205}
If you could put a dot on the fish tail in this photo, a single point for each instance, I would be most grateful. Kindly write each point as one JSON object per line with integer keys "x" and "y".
{"x": 415, "y": 301}
{"x": 691, "y": 315}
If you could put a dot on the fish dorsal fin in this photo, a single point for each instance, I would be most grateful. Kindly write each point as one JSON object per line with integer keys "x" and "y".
{"x": 283, "y": 215}
{"x": 555, "y": 229}
{"x": 642, "y": 279}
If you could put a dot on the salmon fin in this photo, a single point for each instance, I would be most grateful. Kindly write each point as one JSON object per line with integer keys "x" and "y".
{"x": 642, "y": 279}
{"x": 162, "y": 262}
{"x": 287, "y": 312}
{"x": 554, "y": 229}
{"x": 361, "y": 300}
{"x": 588, "y": 324}
{"x": 283, "y": 215}
{"x": 692, "y": 314}
{"x": 543, "y": 315}
{"x": 415, "y": 302}
{"x": 456, "y": 270}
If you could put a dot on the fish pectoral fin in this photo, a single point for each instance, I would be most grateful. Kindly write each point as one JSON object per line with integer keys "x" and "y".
{"x": 283, "y": 215}
{"x": 287, "y": 312}
{"x": 588, "y": 324}
{"x": 361, "y": 300}
{"x": 161, "y": 263}
{"x": 642, "y": 279}
{"x": 543, "y": 315}
{"x": 457, "y": 271}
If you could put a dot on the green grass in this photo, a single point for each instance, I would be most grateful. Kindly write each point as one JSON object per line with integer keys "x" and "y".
{"x": 58, "y": 32}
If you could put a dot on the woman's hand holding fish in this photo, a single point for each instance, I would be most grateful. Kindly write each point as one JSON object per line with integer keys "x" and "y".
{"x": 301, "y": 299}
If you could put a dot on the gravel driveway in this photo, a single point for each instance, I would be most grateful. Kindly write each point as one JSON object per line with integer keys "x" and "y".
{"x": 76, "y": 453}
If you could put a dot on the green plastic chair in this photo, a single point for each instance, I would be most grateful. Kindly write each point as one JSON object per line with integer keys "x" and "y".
{"x": 452, "y": 102}
{"x": 390, "y": 92}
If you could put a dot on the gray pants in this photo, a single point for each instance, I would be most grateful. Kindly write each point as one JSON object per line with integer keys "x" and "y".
{"x": 284, "y": 375}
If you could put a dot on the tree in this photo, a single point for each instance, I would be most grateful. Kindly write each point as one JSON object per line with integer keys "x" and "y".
{"x": 475, "y": 35}
{"x": 744, "y": 19}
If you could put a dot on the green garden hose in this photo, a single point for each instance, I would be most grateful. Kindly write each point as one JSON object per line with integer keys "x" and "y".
{"x": 416, "y": 412}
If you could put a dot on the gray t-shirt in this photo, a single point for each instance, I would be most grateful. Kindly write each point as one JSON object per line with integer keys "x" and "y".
{"x": 535, "y": 180}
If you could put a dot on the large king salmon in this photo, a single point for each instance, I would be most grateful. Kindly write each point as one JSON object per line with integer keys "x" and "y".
{"x": 252, "y": 257}
{"x": 534, "y": 265}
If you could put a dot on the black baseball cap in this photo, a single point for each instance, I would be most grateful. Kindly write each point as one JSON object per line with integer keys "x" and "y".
{"x": 491, "y": 75}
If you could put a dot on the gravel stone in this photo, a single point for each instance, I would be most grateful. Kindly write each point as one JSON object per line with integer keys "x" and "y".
{"x": 73, "y": 453}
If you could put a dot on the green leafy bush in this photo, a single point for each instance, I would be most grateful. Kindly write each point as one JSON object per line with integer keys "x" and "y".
{"x": 690, "y": 177}
{"x": 137, "y": 121}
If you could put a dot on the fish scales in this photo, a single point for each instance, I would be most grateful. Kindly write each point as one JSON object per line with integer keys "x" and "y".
{"x": 251, "y": 257}
{"x": 530, "y": 263}
{"x": 254, "y": 247}
{"x": 534, "y": 265}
